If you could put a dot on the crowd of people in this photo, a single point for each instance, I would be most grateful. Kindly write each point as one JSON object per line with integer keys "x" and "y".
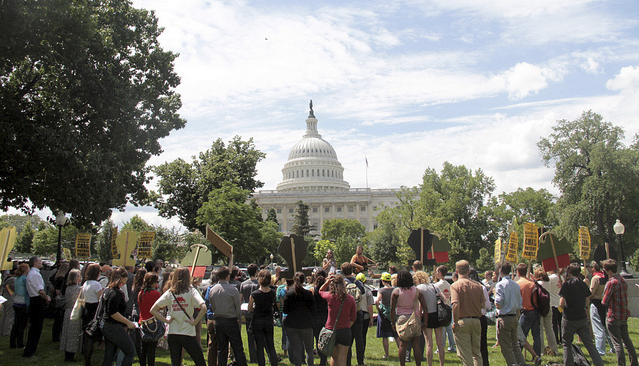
{"x": 125, "y": 299}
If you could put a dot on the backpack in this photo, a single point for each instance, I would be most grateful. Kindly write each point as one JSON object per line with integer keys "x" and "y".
{"x": 543, "y": 299}
{"x": 578, "y": 356}
{"x": 360, "y": 299}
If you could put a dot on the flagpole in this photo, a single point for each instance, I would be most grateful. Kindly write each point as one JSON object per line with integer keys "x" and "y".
{"x": 365, "y": 158}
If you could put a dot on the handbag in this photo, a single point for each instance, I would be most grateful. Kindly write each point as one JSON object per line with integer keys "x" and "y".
{"x": 152, "y": 329}
{"x": 412, "y": 327}
{"x": 326, "y": 340}
{"x": 444, "y": 312}
{"x": 78, "y": 307}
{"x": 94, "y": 328}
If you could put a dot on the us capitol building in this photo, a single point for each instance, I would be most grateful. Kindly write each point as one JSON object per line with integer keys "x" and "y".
{"x": 314, "y": 175}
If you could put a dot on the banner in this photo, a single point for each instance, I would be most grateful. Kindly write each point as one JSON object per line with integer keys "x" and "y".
{"x": 83, "y": 245}
{"x": 584, "y": 243}
{"x": 513, "y": 246}
{"x": 145, "y": 244}
{"x": 531, "y": 241}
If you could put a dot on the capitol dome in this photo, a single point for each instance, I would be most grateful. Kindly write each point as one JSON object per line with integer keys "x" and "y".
{"x": 312, "y": 163}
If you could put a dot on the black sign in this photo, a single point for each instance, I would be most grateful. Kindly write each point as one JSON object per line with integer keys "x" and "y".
{"x": 293, "y": 249}
{"x": 421, "y": 240}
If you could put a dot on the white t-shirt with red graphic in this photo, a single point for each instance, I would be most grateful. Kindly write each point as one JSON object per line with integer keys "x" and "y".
{"x": 444, "y": 287}
{"x": 189, "y": 301}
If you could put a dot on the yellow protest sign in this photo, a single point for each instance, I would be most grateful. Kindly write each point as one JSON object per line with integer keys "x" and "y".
{"x": 531, "y": 241}
{"x": 145, "y": 244}
{"x": 499, "y": 253}
{"x": 126, "y": 242}
{"x": 83, "y": 245}
{"x": 513, "y": 246}
{"x": 66, "y": 254}
{"x": 7, "y": 241}
{"x": 584, "y": 243}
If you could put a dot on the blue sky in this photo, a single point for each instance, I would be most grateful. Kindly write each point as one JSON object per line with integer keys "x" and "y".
{"x": 408, "y": 84}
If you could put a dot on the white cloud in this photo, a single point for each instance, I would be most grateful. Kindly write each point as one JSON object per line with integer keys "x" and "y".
{"x": 523, "y": 79}
{"x": 627, "y": 80}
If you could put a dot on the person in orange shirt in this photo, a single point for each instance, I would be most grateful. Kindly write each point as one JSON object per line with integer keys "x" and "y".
{"x": 529, "y": 320}
{"x": 359, "y": 261}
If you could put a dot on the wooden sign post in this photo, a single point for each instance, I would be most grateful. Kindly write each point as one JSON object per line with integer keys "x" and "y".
{"x": 220, "y": 244}
{"x": 7, "y": 240}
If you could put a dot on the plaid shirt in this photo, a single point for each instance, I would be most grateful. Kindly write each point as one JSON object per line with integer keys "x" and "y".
{"x": 616, "y": 298}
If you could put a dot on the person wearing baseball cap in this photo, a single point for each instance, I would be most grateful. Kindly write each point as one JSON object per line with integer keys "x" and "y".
{"x": 384, "y": 326}
{"x": 368, "y": 313}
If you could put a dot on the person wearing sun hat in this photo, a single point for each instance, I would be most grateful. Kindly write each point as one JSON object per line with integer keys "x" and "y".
{"x": 384, "y": 326}
{"x": 368, "y": 313}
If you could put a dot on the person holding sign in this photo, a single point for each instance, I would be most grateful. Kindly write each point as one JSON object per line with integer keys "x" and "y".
{"x": 359, "y": 261}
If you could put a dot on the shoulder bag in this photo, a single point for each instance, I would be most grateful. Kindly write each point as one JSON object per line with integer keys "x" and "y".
{"x": 326, "y": 339}
{"x": 94, "y": 328}
{"x": 78, "y": 307}
{"x": 410, "y": 327}
{"x": 444, "y": 312}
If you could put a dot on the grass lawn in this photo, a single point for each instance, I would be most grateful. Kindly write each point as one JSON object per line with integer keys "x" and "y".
{"x": 49, "y": 354}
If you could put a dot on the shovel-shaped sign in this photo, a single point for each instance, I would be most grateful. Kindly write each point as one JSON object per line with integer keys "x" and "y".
{"x": 293, "y": 249}
{"x": 421, "y": 241}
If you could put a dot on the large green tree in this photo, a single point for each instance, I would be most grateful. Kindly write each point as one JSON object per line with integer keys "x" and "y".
{"x": 597, "y": 175}
{"x": 333, "y": 229}
{"x": 184, "y": 187}
{"x": 237, "y": 221}
{"x": 86, "y": 92}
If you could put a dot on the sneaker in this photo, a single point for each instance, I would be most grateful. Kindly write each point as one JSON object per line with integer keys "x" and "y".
{"x": 537, "y": 361}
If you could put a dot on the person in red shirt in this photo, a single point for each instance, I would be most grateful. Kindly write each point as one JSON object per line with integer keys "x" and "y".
{"x": 339, "y": 322}
{"x": 146, "y": 298}
{"x": 616, "y": 299}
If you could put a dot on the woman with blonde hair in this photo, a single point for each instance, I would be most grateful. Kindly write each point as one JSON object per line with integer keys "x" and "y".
{"x": 71, "y": 339}
{"x": 342, "y": 313}
{"x": 181, "y": 299}
{"x": 431, "y": 293}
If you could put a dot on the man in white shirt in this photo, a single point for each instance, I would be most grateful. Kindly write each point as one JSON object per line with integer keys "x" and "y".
{"x": 38, "y": 301}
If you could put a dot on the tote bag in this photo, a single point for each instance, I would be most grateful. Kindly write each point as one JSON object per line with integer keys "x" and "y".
{"x": 409, "y": 327}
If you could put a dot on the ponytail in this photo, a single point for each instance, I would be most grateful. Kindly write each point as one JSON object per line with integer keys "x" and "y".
{"x": 298, "y": 280}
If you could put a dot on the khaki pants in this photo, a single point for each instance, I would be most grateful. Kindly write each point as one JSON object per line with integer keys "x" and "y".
{"x": 468, "y": 340}
{"x": 507, "y": 336}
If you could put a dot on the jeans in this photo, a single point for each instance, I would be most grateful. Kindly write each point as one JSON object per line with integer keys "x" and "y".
{"x": 147, "y": 352}
{"x": 58, "y": 320}
{"x": 582, "y": 329}
{"x": 228, "y": 331}
{"x": 191, "y": 346}
{"x": 448, "y": 334}
{"x": 263, "y": 333}
{"x": 529, "y": 322}
{"x": 116, "y": 337}
{"x": 599, "y": 329}
{"x": 36, "y": 319}
{"x": 21, "y": 314}
{"x": 250, "y": 338}
{"x": 301, "y": 340}
{"x": 619, "y": 333}
{"x": 356, "y": 333}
